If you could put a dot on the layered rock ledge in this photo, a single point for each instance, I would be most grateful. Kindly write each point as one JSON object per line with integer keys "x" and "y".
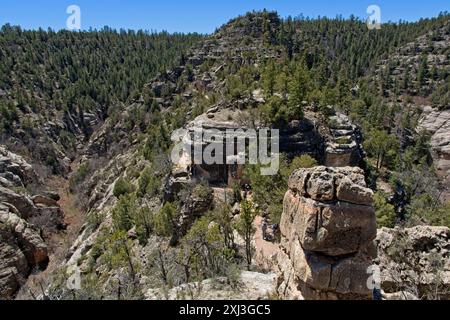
{"x": 327, "y": 230}
{"x": 25, "y": 221}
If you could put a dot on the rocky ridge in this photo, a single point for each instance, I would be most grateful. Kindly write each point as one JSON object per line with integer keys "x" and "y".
{"x": 249, "y": 286}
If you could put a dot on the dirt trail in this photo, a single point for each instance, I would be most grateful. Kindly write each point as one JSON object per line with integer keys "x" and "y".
{"x": 265, "y": 250}
{"x": 58, "y": 243}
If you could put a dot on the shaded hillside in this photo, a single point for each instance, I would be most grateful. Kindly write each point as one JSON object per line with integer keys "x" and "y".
{"x": 56, "y": 87}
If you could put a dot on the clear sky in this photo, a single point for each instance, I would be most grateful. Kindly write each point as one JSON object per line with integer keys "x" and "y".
{"x": 197, "y": 15}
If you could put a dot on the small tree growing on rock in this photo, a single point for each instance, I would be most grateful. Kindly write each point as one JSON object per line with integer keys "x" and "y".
{"x": 245, "y": 228}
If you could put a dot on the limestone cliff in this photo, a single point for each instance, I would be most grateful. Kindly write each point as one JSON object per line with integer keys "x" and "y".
{"x": 24, "y": 221}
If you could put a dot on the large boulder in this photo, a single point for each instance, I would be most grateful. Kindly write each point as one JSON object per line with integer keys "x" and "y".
{"x": 44, "y": 201}
{"x": 16, "y": 165}
{"x": 327, "y": 230}
{"x": 23, "y": 204}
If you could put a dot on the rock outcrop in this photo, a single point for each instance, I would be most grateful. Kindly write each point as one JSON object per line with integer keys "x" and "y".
{"x": 437, "y": 124}
{"x": 15, "y": 168}
{"x": 16, "y": 174}
{"x": 343, "y": 147}
{"x": 414, "y": 262}
{"x": 327, "y": 231}
{"x": 250, "y": 286}
{"x": 21, "y": 249}
{"x": 23, "y": 220}
{"x": 297, "y": 138}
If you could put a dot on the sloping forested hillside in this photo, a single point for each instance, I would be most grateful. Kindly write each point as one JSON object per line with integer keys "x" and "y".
{"x": 58, "y": 85}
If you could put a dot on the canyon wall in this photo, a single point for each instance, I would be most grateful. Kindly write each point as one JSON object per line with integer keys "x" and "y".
{"x": 25, "y": 221}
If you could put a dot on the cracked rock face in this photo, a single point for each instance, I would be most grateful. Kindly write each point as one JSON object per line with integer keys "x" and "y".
{"x": 327, "y": 228}
{"x": 21, "y": 249}
{"x": 343, "y": 145}
{"x": 23, "y": 219}
{"x": 437, "y": 123}
{"x": 414, "y": 262}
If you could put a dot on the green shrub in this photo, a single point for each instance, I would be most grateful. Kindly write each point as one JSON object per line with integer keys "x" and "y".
{"x": 164, "y": 220}
{"x": 385, "y": 212}
{"x": 144, "y": 224}
{"x": 148, "y": 183}
{"x": 204, "y": 251}
{"x": 94, "y": 219}
{"x": 203, "y": 191}
{"x": 79, "y": 176}
{"x": 237, "y": 192}
{"x": 245, "y": 227}
{"x": 304, "y": 161}
{"x": 124, "y": 212}
{"x": 122, "y": 187}
{"x": 428, "y": 209}
{"x": 8, "y": 115}
{"x": 269, "y": 191}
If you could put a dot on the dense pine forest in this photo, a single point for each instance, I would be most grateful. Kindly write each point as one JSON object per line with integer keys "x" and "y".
{"x": 48, "y": 75}
{"x": 91, "y": 69}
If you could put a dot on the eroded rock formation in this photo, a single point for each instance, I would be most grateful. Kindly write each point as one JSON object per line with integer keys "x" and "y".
{"x": 327, "y": 231}
{"x": 437, "y": 124}
{"x": 414, "y": 262}
{"x": 343, "y": 147}
{"x": 21, "y": 249}
{"x": 336, "y": 144}
{"x": 23, "y": 221}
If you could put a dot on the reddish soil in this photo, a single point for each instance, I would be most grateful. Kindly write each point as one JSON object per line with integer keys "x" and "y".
{"x": 58, "y": 243}
{"x": 264, "y": 249}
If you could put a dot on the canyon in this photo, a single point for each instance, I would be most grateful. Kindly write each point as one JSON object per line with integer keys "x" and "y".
{"x": 116, "y": 209}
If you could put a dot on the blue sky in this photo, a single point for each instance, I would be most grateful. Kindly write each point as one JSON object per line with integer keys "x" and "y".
{"x": 197, "y": 15}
